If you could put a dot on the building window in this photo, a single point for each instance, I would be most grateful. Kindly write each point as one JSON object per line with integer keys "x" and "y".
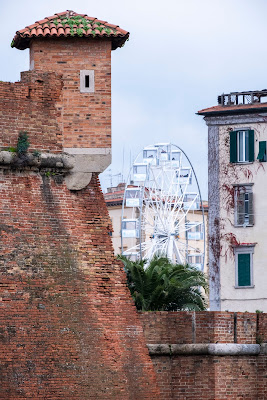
{"x": 262, "y": 151}
{"x": 241, "y": 146}
{"x": 244, "y": 266}
{"x": 87, "y": 81}
{"x": 195, "y": 260}
{"x": 194, "y": 231}
{"x": 243, "y": 199}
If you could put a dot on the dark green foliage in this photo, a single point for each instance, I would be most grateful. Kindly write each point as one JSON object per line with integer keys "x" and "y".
{"x": 12, "y": 149}
{"x": 36, "y": 153}
{"x": 23, "y": 143}
{"x": 163, "y": 286}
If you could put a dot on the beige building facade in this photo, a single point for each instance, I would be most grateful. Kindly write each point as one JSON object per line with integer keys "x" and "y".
{"x": 237, "y": 202}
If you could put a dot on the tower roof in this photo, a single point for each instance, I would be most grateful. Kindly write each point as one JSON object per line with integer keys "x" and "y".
{"x": 70, "y": 24}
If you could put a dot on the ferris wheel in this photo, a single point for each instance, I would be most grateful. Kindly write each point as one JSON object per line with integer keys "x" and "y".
{"x": 162, "y": 212}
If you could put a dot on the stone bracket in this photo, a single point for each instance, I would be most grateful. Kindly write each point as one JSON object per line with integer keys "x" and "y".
{"x": 86, "y": 162}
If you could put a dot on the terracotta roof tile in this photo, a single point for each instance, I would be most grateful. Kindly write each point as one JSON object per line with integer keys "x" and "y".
{"x": 39, "y": 32}
{"x": 69, "y": 23}
{"x": 51, "y": 17}
{"x": 29, "y": 27}
{"x": 62, "y": 13}
{"x": 233, "y": 108}
{"x": 61, "y": 31}
{"x": 101, "y": 22}
{"x": 43, "y": 21}
{"x": 23, "y": 30}
{"x": 53, "y": 32}
{"x": 46, "y": 31}
{"x": 112, "y": 26}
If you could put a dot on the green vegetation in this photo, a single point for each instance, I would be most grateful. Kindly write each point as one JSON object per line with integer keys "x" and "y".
{"x": 12, "y": 149}
{"x": 79, "y": 32}
{"x": 164, "y": 286}
{"x": 76, "y": 20}
{"x": 36, "y": 153}
{"x": 23, "y": 142}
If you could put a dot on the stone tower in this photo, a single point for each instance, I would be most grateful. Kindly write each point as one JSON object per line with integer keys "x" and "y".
{"x": 68, "y": 326}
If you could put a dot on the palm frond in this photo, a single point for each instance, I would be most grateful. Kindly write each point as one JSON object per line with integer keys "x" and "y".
{"x": 163, "y": 285}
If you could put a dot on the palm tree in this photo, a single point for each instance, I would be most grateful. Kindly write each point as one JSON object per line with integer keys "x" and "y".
{"x": 164, "y": 286}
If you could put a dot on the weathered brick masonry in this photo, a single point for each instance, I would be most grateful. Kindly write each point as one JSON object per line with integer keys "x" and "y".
{"x": 34, "y": 105}
{"x": 87, "y": 117}
{"x": 68, "y": 326}
{"x": 191, "y": 376}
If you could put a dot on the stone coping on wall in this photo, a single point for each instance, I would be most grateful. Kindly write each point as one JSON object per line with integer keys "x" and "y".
{"x": 214, "y": 349}
{"x": 40, "y": 160}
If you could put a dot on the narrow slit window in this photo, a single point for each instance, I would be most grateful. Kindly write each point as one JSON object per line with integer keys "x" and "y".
{"x": 87, "y": 81}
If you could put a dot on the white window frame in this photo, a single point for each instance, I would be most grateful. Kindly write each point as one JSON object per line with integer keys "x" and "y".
{"x": 245, "y": 188}
{"x": 244, "y": 250}
{"x": 91, "y": 75}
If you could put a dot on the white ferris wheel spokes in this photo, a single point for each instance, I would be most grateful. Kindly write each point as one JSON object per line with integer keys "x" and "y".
{"x": 162, "y": 212}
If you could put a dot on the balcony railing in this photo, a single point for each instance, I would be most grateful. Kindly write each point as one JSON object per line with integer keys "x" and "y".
{"x": 235, "y": 98}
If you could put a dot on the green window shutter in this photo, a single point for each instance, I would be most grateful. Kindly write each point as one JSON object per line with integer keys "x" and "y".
{"x": 243, "y": 276}
{"x": 233, "y": 146}
{"x": 250, "y": 209}
{"x": 262, "y": 151}
{"x": 240, "y": 208}
{"x": 251, "y": 145}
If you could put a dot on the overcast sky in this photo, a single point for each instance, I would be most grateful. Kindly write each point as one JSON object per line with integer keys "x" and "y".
{"x": 180, "y": 57}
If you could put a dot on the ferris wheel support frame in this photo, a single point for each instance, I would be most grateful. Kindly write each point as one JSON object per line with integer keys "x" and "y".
{"x": 200, "y": 197}
{"x": 141, "y": 212}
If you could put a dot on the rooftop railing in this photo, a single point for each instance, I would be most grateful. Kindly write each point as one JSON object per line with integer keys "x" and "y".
{"x": 235, "y": 98}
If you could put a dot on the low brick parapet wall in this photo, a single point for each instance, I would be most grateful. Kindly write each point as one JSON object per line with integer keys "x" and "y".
{"x": 208, "y": 355}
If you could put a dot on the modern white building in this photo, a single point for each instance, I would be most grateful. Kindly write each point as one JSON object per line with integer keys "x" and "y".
{"x": 237, "y": 136}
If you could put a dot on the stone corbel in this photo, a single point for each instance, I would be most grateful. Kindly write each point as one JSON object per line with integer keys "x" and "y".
{"x": 86, "y": 161}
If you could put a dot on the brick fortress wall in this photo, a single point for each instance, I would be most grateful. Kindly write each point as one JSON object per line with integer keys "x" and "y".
{"x": 174, "y": 338}
{"x": 68, "y": 326}
{"x": 33, "y": 105}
